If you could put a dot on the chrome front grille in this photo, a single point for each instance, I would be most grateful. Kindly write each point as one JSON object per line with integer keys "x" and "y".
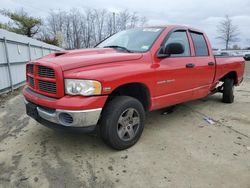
{"x": 45, "y": 86}
{"x": 46, "y": 72}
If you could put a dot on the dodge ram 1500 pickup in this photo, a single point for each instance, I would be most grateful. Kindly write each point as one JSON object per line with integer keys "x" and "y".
{"x": 111, "y": 87}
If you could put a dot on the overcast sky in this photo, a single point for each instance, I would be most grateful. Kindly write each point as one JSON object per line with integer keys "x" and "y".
{"x": 203, "y": 15}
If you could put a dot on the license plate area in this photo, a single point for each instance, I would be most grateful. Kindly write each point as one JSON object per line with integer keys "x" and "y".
{"x": 31, "y": 110}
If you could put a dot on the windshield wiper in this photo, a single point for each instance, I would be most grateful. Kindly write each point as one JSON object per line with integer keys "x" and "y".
{"x": 121, "y": 47}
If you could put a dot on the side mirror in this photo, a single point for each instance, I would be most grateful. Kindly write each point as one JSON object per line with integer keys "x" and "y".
{"x": 172, "y": 48}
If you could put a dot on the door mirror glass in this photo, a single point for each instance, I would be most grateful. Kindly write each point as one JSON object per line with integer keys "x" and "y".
{"x": 174, "y": 48}
{"x": 171, "y": 49}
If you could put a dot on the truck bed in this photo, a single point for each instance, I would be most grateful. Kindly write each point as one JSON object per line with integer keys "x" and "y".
{"x": 232, "y": 65}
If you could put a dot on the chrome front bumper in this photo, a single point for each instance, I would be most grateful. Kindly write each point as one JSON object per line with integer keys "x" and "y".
{"x": 69, "y": 118}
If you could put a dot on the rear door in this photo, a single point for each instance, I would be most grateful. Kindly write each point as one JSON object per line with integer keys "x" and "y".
{"x": 204, "y": 64}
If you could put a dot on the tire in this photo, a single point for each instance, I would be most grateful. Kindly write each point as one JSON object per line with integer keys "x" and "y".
{"x": 228, "y": 91}
{"x": 122, "y": 122}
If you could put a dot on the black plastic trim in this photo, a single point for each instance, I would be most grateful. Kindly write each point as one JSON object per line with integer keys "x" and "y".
{"x": 39, "y": 95}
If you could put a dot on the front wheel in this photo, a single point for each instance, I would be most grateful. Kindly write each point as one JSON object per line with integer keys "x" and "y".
{"x": 228, "y": 91}
{"x": 122, "y": 122}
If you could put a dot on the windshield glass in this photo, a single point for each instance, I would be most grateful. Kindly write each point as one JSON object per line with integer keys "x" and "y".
{"x": 134, "y": 40}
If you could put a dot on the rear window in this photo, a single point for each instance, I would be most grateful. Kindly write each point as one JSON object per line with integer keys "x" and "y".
{"x": 200, "y": 44}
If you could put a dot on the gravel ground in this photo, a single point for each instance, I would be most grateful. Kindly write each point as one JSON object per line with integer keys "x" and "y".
{"x": 179, "y": 149}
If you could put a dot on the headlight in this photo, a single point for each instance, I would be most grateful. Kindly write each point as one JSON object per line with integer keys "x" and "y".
{"x": 82, "y": 87}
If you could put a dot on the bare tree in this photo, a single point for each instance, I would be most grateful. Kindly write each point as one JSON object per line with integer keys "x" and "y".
{"x": 109, "y": 25}
{"x": 55, "y": 21}
{"x": 228, "y": 32}
{"x": 85, "y": 29}
{"x": 88, "y": 28}
{"x": 100, "y": 19}
{"x": 76, "y": 19}
{"x": 123, "y": 20}
{"x": 143, "y": 21}
{"x": 134, "y": 20}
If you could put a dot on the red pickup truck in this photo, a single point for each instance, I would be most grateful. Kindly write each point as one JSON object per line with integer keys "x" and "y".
{"x": 113, "y": 85}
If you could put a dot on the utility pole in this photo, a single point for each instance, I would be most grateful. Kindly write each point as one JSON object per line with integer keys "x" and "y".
{"x": 114, "y": 28}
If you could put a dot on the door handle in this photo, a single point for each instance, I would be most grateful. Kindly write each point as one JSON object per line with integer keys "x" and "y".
{"x": 190, "y": 65}
{"x": 210, "y": 63}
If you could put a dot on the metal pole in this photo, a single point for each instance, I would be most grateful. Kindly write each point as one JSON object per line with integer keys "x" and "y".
{"x": 8, "y": 63}
{"x": 42, "y": 51}
{"x": 29, "y": 51}
{"x": 114, "y": 27}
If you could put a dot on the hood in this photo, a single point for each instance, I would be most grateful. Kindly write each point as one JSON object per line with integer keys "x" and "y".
{"x": 80, "y": 58}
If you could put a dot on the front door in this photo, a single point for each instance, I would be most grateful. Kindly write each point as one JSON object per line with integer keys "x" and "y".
{"x": 175, "y": 74}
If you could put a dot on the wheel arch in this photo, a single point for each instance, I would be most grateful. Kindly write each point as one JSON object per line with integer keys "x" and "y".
{"x": 138, "y": 90}
{"x": 232, "y": 74}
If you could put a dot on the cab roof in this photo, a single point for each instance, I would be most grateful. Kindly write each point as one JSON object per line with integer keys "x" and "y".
{"x": 172, "y": 26}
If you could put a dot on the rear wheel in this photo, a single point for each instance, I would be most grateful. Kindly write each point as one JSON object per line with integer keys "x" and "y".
{"x": 228, "y": 91}
{"x": 122, "y": 122}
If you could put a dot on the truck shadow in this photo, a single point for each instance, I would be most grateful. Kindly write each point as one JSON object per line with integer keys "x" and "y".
{"x": 155, "y": 120}
{"x": 188, "y": 114}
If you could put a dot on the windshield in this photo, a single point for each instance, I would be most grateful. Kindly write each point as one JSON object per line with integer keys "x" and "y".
{"x": 133, "y": 40}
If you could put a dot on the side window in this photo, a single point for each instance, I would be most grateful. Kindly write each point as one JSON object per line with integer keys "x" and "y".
{"x": 200, "y": 45}
{"x": 179, "y": 37}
